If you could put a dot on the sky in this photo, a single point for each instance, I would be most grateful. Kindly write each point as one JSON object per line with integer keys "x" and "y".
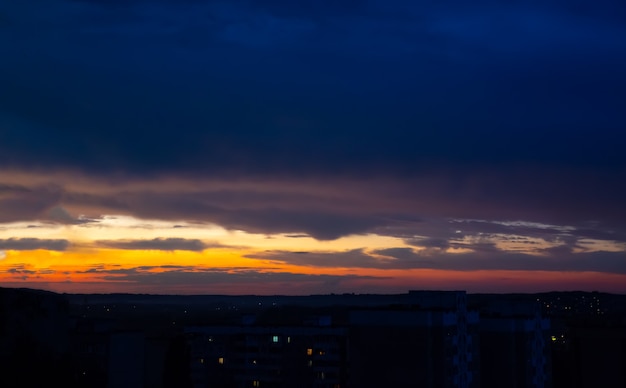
{"x": 312, "y": 147}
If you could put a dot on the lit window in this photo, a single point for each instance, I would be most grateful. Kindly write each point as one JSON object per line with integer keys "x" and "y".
{"x": 310, "y": 362}
{"x": 256, "y": 383}
{"x": 275, "y": 339}
{"x": 288, "y": 340}
{"x": 220, "y": 360}
{"x": 309, "y": 352}
{"x": 201, "y": 361}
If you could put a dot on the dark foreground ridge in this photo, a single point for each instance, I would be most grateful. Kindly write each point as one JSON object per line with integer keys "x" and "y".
{"x": 421, "y": 338}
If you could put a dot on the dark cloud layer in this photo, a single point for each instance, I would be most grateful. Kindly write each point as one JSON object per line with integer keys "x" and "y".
{"x": 20, "y": 202}
{"x": 215, "y": 275}
{"x": 162, "y": 244}
{"x": 433, "y": 211}
{"x": 27, "y": 244}
{"x": 477, "y": 260}
{"x": 234, "y": 280}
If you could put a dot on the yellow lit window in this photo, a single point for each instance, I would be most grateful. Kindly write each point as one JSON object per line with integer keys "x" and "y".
{"x": 309, "y": 352}
{"x": 220, "y": 360}
{"x": 256, "y": 383}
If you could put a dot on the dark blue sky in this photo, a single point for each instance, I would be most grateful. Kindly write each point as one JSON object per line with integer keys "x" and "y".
{"x": 313, "y": 87}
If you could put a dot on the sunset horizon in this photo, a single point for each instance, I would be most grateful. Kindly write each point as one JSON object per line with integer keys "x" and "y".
{"x": 238, "y": 148}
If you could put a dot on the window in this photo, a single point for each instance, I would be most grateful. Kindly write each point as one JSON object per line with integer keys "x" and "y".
{"x": 309, "y": 352}
{"x": 220, "y": 360}
{"x": 275, "y": 339}
{"x": 256, "y": 383}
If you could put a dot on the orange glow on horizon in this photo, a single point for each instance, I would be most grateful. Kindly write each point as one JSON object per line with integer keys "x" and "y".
{"x": 105, "y": 271}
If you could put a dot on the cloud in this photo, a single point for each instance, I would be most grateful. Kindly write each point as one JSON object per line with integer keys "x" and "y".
{"x": 60, "y": 215}
{"x": 609, "y": 262}
{"x": 355, "y": 258}
{"x": 21, "y": 202}
{"x": 428, "y": 208}
{"x": 161, "y": 244}
{"x": 27, "y": 244}
{"x": 429, "y": 242}
{"x": 476, "y": 260}
{"x": 228, "y": 280}
{"x": 12, "y": 189}
{"x": 261, "y": 209}
{"x": 20, "y": 271}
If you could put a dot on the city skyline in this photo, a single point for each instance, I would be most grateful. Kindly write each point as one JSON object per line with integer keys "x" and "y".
{"x": 168, "y": 147}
